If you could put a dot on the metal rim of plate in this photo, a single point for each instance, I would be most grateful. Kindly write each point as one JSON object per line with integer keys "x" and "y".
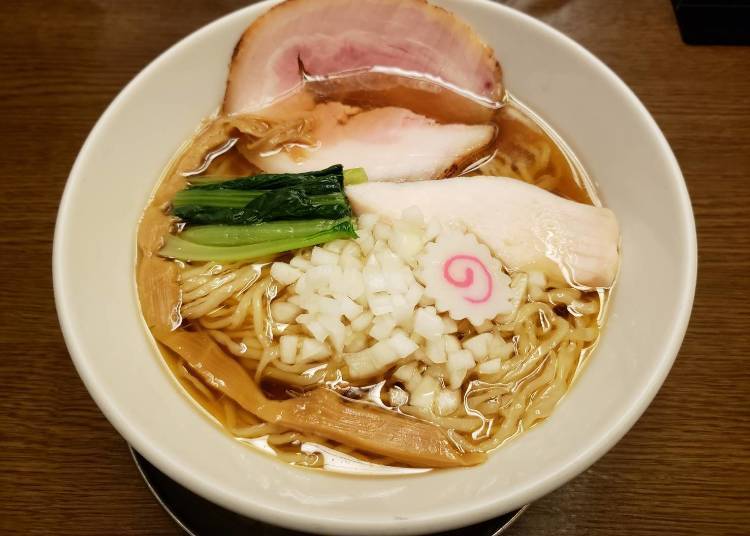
{"x": 198, "y": 516}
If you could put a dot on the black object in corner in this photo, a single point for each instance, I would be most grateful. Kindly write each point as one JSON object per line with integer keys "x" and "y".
{"x": 713, "y": 22}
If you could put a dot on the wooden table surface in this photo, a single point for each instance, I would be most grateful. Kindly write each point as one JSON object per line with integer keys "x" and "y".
{"x": 683, "y": 469}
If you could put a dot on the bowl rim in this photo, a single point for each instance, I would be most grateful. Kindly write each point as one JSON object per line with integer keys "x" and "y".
{"x": 594, "y": 449}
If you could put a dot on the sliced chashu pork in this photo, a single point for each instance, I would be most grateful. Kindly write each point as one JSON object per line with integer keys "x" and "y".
{"x": 523, "y": 225}
{"x": 329, "y": 37}
{"x": 391, "y": 144}
{"x": 347, "y": 46}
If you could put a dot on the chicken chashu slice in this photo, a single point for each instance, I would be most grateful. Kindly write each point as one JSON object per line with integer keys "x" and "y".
{"x": 321, "y": 411}
{"x": 522, "y": 224}
{"x": 391, "y": 144}
{"x": 329, "y": 37}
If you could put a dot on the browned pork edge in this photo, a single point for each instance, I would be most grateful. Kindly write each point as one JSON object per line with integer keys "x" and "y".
{"x": 438, "y": 12}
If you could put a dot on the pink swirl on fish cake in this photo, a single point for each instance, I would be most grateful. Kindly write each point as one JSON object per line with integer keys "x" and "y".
{"x": 468, "y": 279}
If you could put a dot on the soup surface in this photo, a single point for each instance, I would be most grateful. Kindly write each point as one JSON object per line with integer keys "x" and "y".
{"x": 517, "y": 365}
{"x": 374, "y": 258}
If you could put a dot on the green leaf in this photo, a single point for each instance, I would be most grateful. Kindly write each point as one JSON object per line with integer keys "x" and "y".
{"x": 355, "y": 176}
{"x": 237, "y": 235}
{"x": 178, "y": 248}
{"x": 272, "y": 181}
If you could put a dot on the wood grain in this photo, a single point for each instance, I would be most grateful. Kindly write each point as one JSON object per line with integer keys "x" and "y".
{"x": 683, "y": 469}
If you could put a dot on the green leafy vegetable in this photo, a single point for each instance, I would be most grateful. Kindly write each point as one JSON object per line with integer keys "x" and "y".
{"x": 284, "y": 204}
{"x": 272, "y": 181}
{"x": 239, "y": 198}
{"x": 354, "y": 176}
{"x": 214, "y": 198}
{"x": 178, "y": 248}
{"x": 268, "y": 181}
{"x": 237, "y": 235}
{"x": 253, "y": 217}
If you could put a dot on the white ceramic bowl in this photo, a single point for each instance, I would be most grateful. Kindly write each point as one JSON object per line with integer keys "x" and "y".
{"x": 610, "y": 130}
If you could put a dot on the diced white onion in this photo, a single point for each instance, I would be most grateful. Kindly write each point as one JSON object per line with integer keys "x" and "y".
{"x": 383, "y": 354}
{"x": 336, "y": 330}
{"x": 351, "y": 249}
{"x": 402, "y": 311}
{"x": 307, "y": 301}
{"x": 436, "y": 350}
{"x": 500, "y": 349}
{"x": 365, "y": 300}
{"x": 381, "y": 231}
{"x": 361, "y": 364}
{"x": 389, "y": 262}
{"x": 402, "y": 344}
{"x": 362, "y": 322}
{"x": 348, "y": 307}
{"x": 314, "y": 327}
{"x": 380, "y": 303}
{"x": 382, "y": 327}
{"x": 449, "y": 325}
{"x": 288, "y": 348}
{"x": 447, "y": 402}
{"x": 407, "y": 373}
{"x": 284, "y": 311}
{"x": 459, "y": 363}
{"x": 423, "y": 395}
{"x": 366, "y": 243}
{"x": 329, "y": 306}
{"x": 398, "y": 396}
{"x": 406, "y": 244}
{"x": 456, "y": 378}
{"x": 451, "y": 342}
{"x": 301, "y": 286}
{"x": 313, "y": 350}
{"x": 367, "y": 221}
{"x": 321, "y": 257}
{"x": 335, "y": 246}
{"x": 395, "y": 281}
{"x": 350, "y": 262}
{"x": 353, "y": 282}
{"x": 319, "y": 277}
{"x": 284, "y": 273}
{"x": 460, "y": 360}
{"x": 414, "y": 294}
{"x": 493, "y": 366}
{"x": 374, "y": 280}
{"x": 299, "y": 262}
{"x": 479, "y": 345}
{"x": 427, "y": 323}
{"x": 355, "y": 342}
